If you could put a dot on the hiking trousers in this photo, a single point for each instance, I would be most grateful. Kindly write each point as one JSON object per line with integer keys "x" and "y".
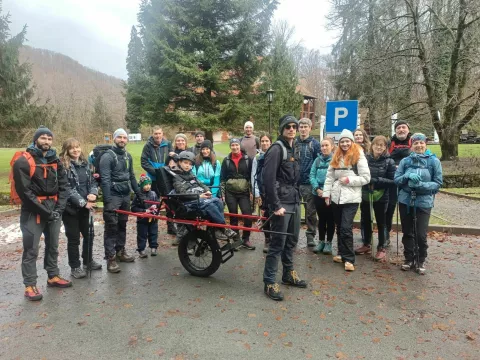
{"x": 115, "y": 234}
{"x": 408, "y": 239}
{"x": 31, "y": 232}
{"x": 74, "y": 226}
{"x": 344, "y": 215}
{"x": 310, "y": 211}
{"x": 242, "y": 201}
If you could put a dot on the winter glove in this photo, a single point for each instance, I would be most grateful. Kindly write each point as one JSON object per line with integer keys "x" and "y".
{"x": 54, "y": 216}
{"x": 152, "y": 210}
{"x": 415, "y": 178}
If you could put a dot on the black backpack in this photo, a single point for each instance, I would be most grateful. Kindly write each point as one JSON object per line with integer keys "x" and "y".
{"x": 261, "y": 163}
{"x": 98, "y": 152}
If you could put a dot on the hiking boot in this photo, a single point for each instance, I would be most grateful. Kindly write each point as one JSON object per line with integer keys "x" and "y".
{"x": 337, "y": 259}
{"x": 381, "y": 255}
{"x": 32, "y": 293}
{"x": 319, "y": 247}
{"x": 327, "y": 250}
{"x": 407, "y": 265}
{"x": 78, "y": 273}
{"x": 349, "y": 266}
{"x": 94, "y": 266}
{"x": 265, "y": 247}
{"x": 230, "y": 233}
{"x": 364, "y": 249}
{"x": 310, "y": 241}
{"x": 112, "y": 265}
{"x": 293, "y": 279}
{"x": 57, "y": 281}
{"x": 171, "y": 228}
{"x": 142, "y": 254}
{"x": 123, "y": 256}
{"x": 421, "y": 268}
{"x": 220, "y": 234}
{"x": 153, "y": 252}
{"x": 273, "y": 291}
{"x": 248, "y": 245}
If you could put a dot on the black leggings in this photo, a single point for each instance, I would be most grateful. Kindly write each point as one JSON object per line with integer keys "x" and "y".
{"x": 379, "y": 209}
{"x": 234, "y": 201}
{"x": 326, "y": 221}
{"x": 74, "y": 226}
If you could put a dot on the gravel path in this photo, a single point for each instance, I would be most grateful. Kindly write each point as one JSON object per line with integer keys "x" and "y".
{"x": 457, "y": 210}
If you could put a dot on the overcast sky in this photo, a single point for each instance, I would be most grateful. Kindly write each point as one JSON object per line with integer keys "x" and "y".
{"x": 96, "y": 32}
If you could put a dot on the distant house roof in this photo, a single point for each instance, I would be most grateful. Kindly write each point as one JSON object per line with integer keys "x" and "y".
{"x": 303, "y": 89}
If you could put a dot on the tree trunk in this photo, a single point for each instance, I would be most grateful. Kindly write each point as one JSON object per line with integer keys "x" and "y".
{"x": 449, "y": 145}
{"x": 209, "y": 135}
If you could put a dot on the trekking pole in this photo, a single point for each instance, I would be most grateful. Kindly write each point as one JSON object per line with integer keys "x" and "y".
{"x": 416, "y": 247}
{"x": 370, "y": 200}
{"x": 91, "y": 235}
{"x": 397, "y": 223}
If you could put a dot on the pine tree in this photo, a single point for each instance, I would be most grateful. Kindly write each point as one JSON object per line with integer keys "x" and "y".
{"x": 203, "y": 58}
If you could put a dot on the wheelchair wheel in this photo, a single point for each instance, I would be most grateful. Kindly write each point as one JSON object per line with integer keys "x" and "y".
{"x": 199, "y": 253}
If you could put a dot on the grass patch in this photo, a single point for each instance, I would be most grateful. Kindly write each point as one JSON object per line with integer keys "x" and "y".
{"x": 464, "y": 150}
{"x": 474, "y": 192}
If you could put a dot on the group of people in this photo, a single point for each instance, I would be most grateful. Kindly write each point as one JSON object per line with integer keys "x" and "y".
{"x": 275, "y": 177}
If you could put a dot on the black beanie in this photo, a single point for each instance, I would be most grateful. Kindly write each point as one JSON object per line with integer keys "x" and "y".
{"x": 401, "y": 122}
{"x": 42, "y": 130}
{"x": 206, "y": 144}
{"x": 284, "y": 121}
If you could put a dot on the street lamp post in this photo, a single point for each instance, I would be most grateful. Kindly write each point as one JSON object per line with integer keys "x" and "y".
{"x": 270, "y": 94}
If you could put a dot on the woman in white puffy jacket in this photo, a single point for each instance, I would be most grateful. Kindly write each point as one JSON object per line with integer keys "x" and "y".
{"x": 347, "y": 173}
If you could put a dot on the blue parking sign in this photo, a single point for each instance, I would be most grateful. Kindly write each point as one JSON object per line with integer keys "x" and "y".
{"x": 341, "y": 115}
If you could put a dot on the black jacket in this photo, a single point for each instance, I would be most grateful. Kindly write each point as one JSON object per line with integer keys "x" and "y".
{"x": 139, "y": 206}
{"x": 155, "y": 156}
{"x": 186, "y": 183}
{"x": 382, "y": 172}
{"x": 117, "y": 174}
{"x": 399, "y": 149}
{"x": 280, "y": 178}
{"x": 28, "y": 189}
{"x": 230, "y": 172}
{"x": 196, "y": 149}
{"x": 82, "y": 183}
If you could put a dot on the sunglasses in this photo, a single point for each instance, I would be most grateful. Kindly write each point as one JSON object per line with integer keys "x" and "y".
{"x": 288, "y": 127}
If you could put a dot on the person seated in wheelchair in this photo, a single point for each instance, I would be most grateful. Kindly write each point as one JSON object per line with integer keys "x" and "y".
{"x": 184, "y": 182}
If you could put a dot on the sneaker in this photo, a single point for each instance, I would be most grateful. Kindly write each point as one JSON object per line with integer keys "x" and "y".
{"x": 319, "y": 248}
{"x": 380, "y": 255}
{"x": 407, "y": 265}
{"x": 123, "y": 256}
{"x": 337, "y": 259}
{"x": 248, "y": 245}
{"x": 32, "y": 293}
{"x": 273, "y": 291}
{"x": 78, "y": 273}
{"x": 153, "y": 252}
{"x": 142, "y": 254}
{"x": 327, "y": 250}
{"x": 310, "y": 241}
{"x": 265, "y": 247}
{"x": 364, "y": 249}
{"x": 94, "y": 265}
{"x": 421, "y": 268}
{"x": 230, "y": 233}
{"x": 220, "y": 234}
{"x": 112, "y": 265}
{"x": 349, "y": 266}
{"x": 57, "y": 281}
{"x": 293, "y": 279}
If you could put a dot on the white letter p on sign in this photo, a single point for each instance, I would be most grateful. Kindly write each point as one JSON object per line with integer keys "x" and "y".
{"x": 340, "y": 113}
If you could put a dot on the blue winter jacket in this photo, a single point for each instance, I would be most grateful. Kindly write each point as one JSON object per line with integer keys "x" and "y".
{"x": 307, "y": 153}
{"x": 318, "y": 173}
{"x": 209, "y": 176}
{"x": 429, "y": 168}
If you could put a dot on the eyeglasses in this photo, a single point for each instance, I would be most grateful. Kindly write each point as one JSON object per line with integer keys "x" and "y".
{"x": 288, "y": 127}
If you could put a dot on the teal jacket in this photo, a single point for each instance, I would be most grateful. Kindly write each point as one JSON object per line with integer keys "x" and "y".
{"x": 429, "y": 168}
{"x": 318, "y": 172}
{"x": 208, "y": 175}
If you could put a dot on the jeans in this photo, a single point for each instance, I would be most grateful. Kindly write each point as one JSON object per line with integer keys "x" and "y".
{"x": 282, "y": 246}
{"x": 115, "y": 234}
{"x": 379, "y": 209}
{"x": 408, "y": 239}
{"x": 234, "y": 201}
{"x": 310, "y": 213}
{"x": 392, "y": 204}
{"x": 74, "y": 226}
{"x": 326, "y": 222}
{"x": 147, "y": 230}
{"x": 344, "y": 215}
{"x": 212, "y": 209}
{"x": 31, "y": 232}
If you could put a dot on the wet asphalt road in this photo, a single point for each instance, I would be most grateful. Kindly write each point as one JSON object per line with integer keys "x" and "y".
{"x": 155, "y": 309}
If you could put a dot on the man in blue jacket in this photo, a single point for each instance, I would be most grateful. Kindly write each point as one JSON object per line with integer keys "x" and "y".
{"x": 307, "y": 149}
{"x": 154, "y": 156}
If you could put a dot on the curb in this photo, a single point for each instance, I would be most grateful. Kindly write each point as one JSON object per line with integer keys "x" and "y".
{"x": 460, "y": 195}
{"x": 450, "y": 229}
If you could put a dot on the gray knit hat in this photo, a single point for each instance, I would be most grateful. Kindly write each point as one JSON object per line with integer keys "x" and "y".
{"x": 346, "y": 134}
{"x": 42, "y": 130}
